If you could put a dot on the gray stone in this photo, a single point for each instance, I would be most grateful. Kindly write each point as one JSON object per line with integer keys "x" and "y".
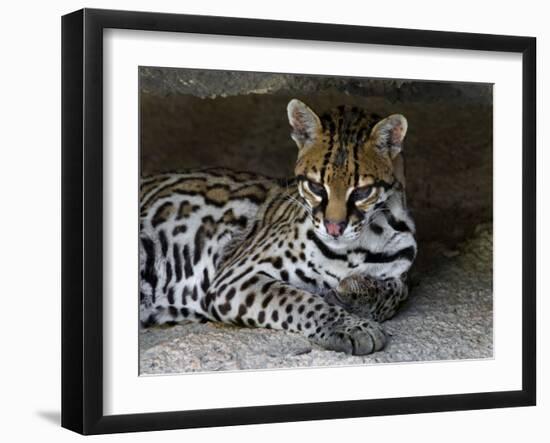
{"x": 213, "y": 84}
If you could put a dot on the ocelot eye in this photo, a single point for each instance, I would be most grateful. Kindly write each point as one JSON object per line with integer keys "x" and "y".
{"x": 316, "y": 188}
{"x": 362, "y": 193}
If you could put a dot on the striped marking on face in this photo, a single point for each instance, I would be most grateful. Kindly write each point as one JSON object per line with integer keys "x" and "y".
{"x": 312, "y": 191}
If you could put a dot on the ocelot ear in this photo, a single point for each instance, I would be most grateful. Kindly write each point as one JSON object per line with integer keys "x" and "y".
{"x": 306, "y": 126}
{"x": 389, "y": 133}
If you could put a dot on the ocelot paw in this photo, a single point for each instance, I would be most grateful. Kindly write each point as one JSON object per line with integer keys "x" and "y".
{"x": 360, "y": 295}
{"x": 359, "y": 285}
{"x": 354, "y": 336}
{"x": 372, "y": 298}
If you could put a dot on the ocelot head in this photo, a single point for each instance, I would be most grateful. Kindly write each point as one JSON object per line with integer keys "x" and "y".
{"x": 348, "y": 163}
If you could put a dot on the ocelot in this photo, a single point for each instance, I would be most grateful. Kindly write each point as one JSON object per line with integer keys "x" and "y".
{"x": 239, "y": 248}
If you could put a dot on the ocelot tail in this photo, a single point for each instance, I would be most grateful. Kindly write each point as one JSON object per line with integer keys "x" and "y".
{"x": 239, "y": 248}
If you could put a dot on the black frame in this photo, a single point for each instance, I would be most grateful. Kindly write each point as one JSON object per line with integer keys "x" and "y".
{"x": 82, "y": 155}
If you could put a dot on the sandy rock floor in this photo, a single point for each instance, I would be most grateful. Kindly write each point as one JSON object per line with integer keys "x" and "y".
{"x": 449, "y": 315}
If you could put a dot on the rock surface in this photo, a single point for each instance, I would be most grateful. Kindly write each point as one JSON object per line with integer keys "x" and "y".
{"x": 206, "y": 83}
{"x": 449, "y": 315}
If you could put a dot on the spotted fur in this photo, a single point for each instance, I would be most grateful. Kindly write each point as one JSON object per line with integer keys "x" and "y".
{"x": 248, "y": 250}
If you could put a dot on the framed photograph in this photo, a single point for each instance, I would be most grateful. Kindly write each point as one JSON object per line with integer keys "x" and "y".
{"x": 269, "y": 221}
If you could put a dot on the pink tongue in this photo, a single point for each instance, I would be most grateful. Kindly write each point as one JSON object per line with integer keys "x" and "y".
{"x": 333, "y": 229}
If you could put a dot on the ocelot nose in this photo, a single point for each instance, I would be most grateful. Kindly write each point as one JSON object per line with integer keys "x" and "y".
{"x": 335, "y": 228}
